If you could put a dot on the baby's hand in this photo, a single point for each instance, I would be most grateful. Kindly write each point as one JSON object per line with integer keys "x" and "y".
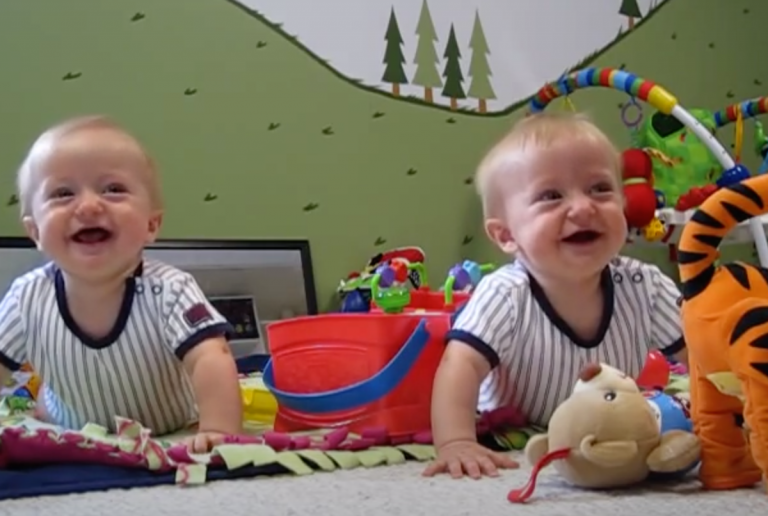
{"x": 203, "y": 442}
{"x": 469, "y": 458}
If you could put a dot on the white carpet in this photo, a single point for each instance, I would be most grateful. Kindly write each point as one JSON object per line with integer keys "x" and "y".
{"x": 391, "y": 491}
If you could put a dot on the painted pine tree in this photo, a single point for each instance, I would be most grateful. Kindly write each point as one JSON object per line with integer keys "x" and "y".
{"x": 394, "y": 59}
{"x": 631, "y": 10}
{"x": 427, "y": 75}
{"x": 479, "y": 69}
{"x": 454, "y": 77}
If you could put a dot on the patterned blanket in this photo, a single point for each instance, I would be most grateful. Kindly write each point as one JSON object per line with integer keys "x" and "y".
{"x": 25, "y": 441}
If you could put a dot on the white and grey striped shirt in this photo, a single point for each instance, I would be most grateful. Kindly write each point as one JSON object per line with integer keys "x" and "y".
{"x": 536, "y": 357}
{"x": 135, "y": 371}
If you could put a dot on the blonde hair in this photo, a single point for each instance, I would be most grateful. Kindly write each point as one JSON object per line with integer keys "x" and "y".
{"x": 535, "y": 133}
{"x": 47, "y": 142}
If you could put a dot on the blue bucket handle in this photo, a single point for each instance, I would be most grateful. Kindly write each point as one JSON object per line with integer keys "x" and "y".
{"x": 358, "y": 394}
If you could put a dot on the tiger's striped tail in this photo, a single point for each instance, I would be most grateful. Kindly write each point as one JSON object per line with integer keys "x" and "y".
{"x": 711, "y": 222}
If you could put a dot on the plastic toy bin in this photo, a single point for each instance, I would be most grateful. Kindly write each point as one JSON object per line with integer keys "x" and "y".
{"x": 425, "y": 299}
{"x": 361, "y": 371}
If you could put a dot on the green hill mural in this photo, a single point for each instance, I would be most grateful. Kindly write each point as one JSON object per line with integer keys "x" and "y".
{"x": 257, "y": 138}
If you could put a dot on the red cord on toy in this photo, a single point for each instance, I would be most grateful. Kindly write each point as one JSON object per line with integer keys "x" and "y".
{"x": 521, "y": 495}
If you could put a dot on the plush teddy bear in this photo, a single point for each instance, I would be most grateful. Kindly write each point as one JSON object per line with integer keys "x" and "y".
{"x": 607, "y": 434}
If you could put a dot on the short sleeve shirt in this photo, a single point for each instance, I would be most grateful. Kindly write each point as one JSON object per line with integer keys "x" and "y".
{"x": 536, "y": 357}
{"x": 135, "y": 371}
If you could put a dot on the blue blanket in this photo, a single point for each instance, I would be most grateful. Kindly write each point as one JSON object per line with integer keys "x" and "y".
{"x": 69, "y": 478}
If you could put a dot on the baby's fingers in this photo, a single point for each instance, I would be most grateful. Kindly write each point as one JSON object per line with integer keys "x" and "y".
{"x": 435, "y": 467}
{"x": 487, "y": 466}
{"x": 195, "y": 444}
{"x": 502, "y": 460}
{"x": 200, "y": 443}
{"x": 469, "y": 465}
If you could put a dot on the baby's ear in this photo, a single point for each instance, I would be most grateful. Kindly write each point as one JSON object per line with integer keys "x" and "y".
{"x": 155, "y": 221}
{"x": 30, "y": 227}
{"x": 500, "y": 234}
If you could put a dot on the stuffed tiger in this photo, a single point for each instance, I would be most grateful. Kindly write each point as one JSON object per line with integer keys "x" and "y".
{"x": 724, "y": 314}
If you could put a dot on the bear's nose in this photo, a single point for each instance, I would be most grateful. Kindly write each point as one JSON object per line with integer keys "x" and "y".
{"x": 589, "y": 371}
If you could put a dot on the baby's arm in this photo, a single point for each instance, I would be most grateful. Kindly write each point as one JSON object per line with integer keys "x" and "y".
{"x": 455, "y": 393}
{"x": 212, "y": 369}
{"x": 13, "y": 352}
{"x": 666, "y": 327}
{"x": 477, "y": 335}
{"x": 197, "y": 334}
{"x": 480, "y": 331}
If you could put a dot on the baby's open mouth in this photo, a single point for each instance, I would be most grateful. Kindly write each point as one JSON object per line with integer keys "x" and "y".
{"x": 92, "y": 235}
{"x": 582, "y": 237}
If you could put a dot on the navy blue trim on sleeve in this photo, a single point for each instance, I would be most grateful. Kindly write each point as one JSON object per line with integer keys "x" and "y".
{"x": 475, "y": 343}
{"x": 209, "y": 332}
{"x": 455, "y": 315}
{"x": 673, "y": 348}
{"x": 9, "y": 363}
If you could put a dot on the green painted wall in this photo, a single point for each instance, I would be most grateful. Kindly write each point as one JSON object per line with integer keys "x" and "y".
{"x": 257, "y": 139}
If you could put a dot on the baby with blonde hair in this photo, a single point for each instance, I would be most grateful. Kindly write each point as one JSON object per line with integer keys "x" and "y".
{"x": 552, "y": 199}
{"x": 110, "y": 333}
{"x": 532, "y": 134}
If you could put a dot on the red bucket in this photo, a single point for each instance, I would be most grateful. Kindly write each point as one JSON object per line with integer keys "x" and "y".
{"x": 361, "y": 371}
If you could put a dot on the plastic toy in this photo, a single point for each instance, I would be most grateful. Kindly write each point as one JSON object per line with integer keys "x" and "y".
{"x": 672, "y": 413}
{"x": 676, "y": 136}
{"x": 672, "y": 217}
{"x": 607, "y": 434}
{"x": 361, "y": 371}
{"x": 642, "y": 199}
{"x": 724, "y": 314}
{"x": 355, "y": 291}
{"x": 654, "y": 231}
{"x": 678, "y": 369}
{"x": 682, "y": 164}
{"x": 320, "y": 366}
{"x": 356, "y": 301}
{"x": 23, "y": 384}
{"x": 655, "y": 374}
{"x": 259, "y": 405}
{"x": 389, "y": 291}
{"x": 391, "y": 294}
{"x": 463, "y": 277}
{"x": 761, "y": 146}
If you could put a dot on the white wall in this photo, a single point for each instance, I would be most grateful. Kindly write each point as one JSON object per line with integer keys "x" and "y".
{"x": 15, "y": 262}
{"x": 225, "y": 258}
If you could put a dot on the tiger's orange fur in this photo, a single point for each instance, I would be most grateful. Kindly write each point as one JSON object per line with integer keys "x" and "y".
{"x": 725, "y": 322}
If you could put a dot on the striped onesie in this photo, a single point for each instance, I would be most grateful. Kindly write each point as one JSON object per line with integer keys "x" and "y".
{"x": 536, "y": 357}
{"x": 135, "y": 371}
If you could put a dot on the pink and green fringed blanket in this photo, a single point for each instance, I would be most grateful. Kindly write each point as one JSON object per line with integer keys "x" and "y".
{"x": 38, "y": 458}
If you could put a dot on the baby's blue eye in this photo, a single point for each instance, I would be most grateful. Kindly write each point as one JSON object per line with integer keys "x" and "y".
{"x": 58, "y": 193}
{"x": 550, "y": 195}
{"x": 115, "y": 188}
{"x": 602, "y": 188}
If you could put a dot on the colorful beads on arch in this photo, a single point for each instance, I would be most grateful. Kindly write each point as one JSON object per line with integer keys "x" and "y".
{"x": 748, "y": 108}
{"x": 606, "y": 77}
